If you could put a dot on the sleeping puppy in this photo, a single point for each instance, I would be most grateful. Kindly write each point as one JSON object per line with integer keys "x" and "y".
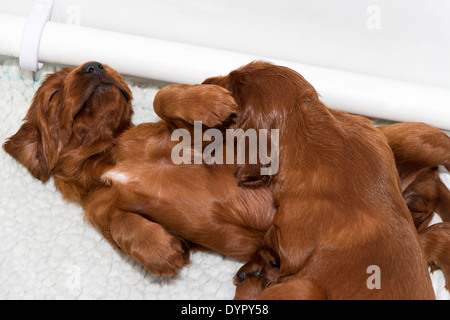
{"x": 340, "y": 210}
{"x": 79, "y": 130}
{"x": 418, "y": 150}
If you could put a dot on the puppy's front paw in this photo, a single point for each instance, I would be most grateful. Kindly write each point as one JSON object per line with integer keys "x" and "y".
{"x": 252, "y": 269}
{"x": 159, "y": 251}
{"x": 165, "y": 259}
{"x": 220, "y": 104}
{"x": 250, "y": 281}
{"x": 212, "y": 105}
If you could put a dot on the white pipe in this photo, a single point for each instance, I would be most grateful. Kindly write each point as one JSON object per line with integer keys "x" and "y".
{"x": 184, "y": 63}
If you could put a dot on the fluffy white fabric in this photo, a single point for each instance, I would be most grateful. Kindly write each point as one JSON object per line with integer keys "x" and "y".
{"x": 47, "y": 250}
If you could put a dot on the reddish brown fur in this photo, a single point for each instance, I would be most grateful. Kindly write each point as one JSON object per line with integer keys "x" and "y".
{"x": 418, "y": 150}
{"x": 337, "y": 192}
{"x": 80, "y": 133}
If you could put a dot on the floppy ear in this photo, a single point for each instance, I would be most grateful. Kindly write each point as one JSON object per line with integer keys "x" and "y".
{"x": 34, "y": 145}
{"x": 26, "y": 147}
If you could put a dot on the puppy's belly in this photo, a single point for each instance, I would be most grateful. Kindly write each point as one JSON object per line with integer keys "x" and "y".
{"x": 202, "y": 206}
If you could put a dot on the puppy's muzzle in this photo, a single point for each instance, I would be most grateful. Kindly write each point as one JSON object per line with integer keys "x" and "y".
{"x": 93, "y": 67}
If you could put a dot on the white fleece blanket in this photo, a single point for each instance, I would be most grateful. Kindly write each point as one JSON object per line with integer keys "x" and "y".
{"x": 47, "y": 250}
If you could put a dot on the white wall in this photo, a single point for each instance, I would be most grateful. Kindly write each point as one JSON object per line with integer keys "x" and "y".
{"x": 400, "y": 39}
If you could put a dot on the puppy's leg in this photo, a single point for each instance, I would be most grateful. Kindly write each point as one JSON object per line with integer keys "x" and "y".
{"x": 418, "y": 150}
{"x": 159, "y": 251}
{"x": 254, "y": 276}
{"x": 250, "y": 289}
{"x": 436, "y": 242}
{"x": 252, "y": 269}
{"x": 182, "y": 104}
{"x": 417, "y": 145}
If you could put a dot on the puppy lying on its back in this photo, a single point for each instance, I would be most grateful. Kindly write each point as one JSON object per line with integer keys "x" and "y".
{"x": 79, "y": 130}
{"x": 338, "y": 195}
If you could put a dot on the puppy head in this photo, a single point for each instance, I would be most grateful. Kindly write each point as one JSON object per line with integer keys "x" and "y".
{"x": 265, "y": 93}
{"x": 75, "y": 108}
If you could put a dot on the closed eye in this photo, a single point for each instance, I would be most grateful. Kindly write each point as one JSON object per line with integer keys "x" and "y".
{"x": 53, "y": 94}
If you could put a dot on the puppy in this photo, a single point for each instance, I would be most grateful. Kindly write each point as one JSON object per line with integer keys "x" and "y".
{"x": 340, "y": 209}
{"x": 79, "y": 129}
{"x": 418, "y": 150}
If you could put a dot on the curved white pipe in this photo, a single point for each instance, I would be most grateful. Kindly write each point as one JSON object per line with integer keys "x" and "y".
{"x": 184, "y": 63}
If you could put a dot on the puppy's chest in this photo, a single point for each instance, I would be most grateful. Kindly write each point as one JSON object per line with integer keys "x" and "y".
{"x": 141, "y": 178}
{"x": 116, "y": 176}
{"x": 133, "y": 163}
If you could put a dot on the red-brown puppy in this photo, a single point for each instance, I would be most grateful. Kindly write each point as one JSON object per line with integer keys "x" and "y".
{"x": 340, "y": 210}
{"x": 79, "y": 130}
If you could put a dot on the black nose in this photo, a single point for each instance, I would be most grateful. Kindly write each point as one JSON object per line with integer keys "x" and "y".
{"x": 93, "y": 67}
